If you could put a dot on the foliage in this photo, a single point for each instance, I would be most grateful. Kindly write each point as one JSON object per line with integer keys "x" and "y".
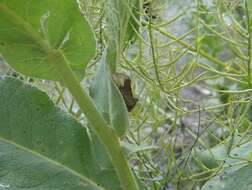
{"x": 187, "y": 65}
{"x": 31, "y": 32}
{"x": 53, "y": 39}
{"x": 110, "y": 104}
{"x": 44, "y": 147}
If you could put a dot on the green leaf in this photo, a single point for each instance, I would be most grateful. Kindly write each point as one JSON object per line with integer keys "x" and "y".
{"x": 108, "y": 99}
{"x": 228, "y": 179}
{"x": 133, "y": 25}
{"x": 212, "y": 157}
{"x": 30, "y": 30}
{"x": 44, "y": 148}
{"x": 240, "y": 179}
{"x": 249, "y": 4}
{"x": 118, "y": 16}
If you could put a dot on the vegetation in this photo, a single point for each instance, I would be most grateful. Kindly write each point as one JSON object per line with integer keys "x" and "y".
{"x": 126, "y": 95}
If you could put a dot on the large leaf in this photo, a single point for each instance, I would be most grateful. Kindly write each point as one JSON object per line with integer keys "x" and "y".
{"x": 237, "y": 176}
{"x": 109, "y": 100}
{"x": 29, "y": 30}
{"x": 212, "y": 158}
{"x": 43, "y": 148}
{"x": 240, "y": 179}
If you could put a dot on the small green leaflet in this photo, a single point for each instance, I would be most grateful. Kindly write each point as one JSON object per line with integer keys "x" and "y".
{"x": 119, "y": 28}
{"x": 108, "y": 99}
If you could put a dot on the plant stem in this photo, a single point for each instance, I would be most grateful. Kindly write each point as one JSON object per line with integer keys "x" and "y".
{"x": 106, "y": 134}
{"x": 153, "y": 49}
{"x": 193, "y": 49}
{"x": 249, "y": 43}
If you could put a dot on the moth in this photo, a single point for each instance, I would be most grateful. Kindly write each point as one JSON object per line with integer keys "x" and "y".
{"x": 123, "y": 82}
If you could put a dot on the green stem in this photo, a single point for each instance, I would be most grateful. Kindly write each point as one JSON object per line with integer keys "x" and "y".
{"x": 106, "y": 134}
{"x": 249, "y": 43}
{"x": 193, "y": 49}
{"x": 153, "y": 49}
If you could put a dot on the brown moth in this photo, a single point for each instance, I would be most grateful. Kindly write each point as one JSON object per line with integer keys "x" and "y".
{"x": 123, "y": 82}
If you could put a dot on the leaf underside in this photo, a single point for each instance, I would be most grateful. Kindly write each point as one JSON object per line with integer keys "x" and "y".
{"x": 109, "y": 100}
{"x": 236, "y": 177}
{"x": 240, "y": 179}
{"x": 43, "y": 147}
{"x": 30, "y": 30}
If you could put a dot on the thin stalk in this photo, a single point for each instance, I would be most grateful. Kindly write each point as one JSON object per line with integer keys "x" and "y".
{"x": 193, "y": 49}
{"x": 106, "y": 134}
{"x": 184, "y": 44}
{"x": 249, "y": 42}
{"x": 153, "y": 50}
{"x": 222, "y": 36}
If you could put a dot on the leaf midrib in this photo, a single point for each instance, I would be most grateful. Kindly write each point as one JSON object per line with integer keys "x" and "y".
{"x": 19, "y": 21}
{"x": 53, "y": 162}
